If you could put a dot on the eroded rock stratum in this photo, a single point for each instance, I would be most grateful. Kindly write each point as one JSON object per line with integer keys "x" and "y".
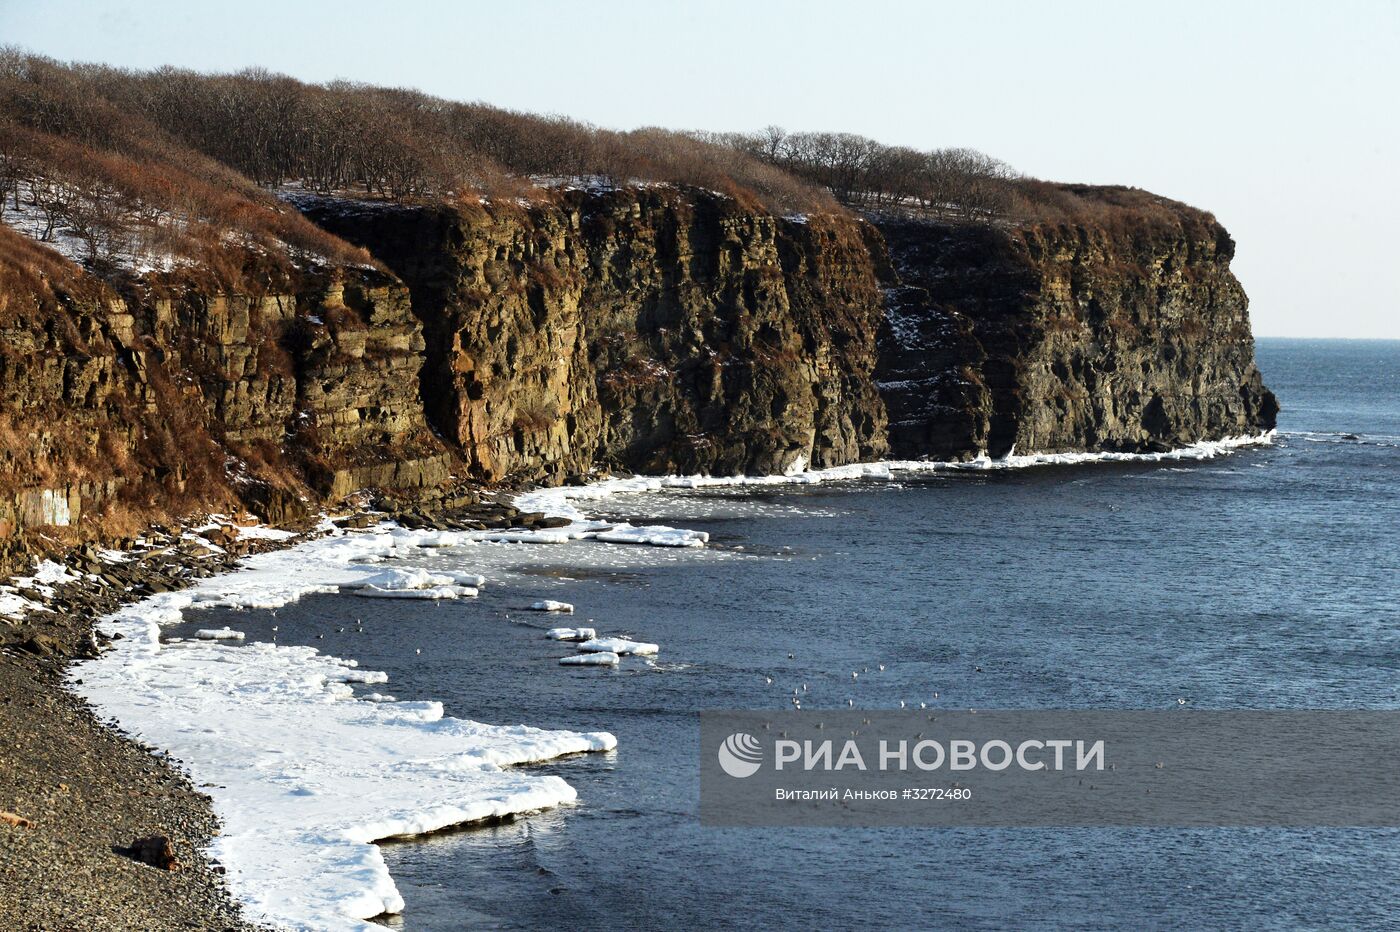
{"x": 655, "y": 330}
{"x": 1065, "y": 338}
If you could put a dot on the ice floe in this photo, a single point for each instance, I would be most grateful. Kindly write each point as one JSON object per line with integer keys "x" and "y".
{"x": 366, "y": 676}
{"x": 618, "y": 646}
{"x": 562, "y": 536}
{"x": 655, "y": 536}
{"x": 571, "y": 634}
{"x": 549, "y": 605}
{"x": 398, "y": 578}
{"x": 407, "y": 579}
{"x": 598, "y": 659}
{"x": 303, "y": 775}
{"x": 432, "y": 592}
{"x": 219, "y": 634}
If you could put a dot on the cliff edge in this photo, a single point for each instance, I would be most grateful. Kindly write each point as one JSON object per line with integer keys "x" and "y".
{"x": 1126, "y": 335}
{"x": 655, "y": 329}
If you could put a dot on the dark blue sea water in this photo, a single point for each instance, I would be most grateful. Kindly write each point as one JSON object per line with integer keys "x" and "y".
{"x": 1264, "y": 579}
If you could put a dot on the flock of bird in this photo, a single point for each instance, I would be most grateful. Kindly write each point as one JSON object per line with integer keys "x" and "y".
{"x": 358, "y": 629}
{"x": 799, "y": 691}
{"x": 804, "y": 688}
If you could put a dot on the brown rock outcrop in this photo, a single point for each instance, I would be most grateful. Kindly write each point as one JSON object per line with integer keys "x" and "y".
{"x": 656, "y": 330}
{"x": 121, "y": 406}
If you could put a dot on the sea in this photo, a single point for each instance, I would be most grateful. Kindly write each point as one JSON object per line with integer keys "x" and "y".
{"x": 1268, "y": 578}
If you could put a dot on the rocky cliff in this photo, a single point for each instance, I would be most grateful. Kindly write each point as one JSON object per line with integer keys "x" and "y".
{"x": 1129, "y": 336}
{"x": 123, "y": 405}
{"x": 652, "y": 329}
{"x": 646, "y": 329}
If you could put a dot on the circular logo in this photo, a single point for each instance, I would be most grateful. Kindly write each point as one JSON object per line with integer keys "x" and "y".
{"x": 740, "y": 755}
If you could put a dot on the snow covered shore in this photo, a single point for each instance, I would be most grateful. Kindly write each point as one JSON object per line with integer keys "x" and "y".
{"x": 304, "y": 775}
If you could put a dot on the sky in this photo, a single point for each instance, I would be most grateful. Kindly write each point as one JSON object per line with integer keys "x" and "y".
{"x": 1279, "y": 117}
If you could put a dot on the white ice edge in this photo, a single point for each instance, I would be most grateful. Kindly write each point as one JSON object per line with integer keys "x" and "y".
{"x": 432, "y": 592}
{"x": 219, "y": 634}
{"x": 571, "y": 634}
{"x": 595, "y": 659}
{"x": 559, "y": 501}
{"x": 597, "y": 645}
{"x": 303, "y": 775}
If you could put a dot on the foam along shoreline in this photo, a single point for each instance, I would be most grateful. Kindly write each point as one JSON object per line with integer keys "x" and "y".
{"x": 303, "y": 775}
{"x": 559, "y": 501}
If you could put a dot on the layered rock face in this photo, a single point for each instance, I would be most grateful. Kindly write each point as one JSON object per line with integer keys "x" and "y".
{"x": 1128, "y": 338}
{"x": 647, "y": 329}
{"x": 161, "y": 399}
{"x": 652, "y": 329}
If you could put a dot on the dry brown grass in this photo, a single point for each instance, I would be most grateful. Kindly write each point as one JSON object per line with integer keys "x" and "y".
{"x": 1114, "y": 209}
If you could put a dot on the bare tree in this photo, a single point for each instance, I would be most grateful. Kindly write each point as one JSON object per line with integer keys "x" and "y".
{"x": 14, "y": 168}
{"x": 54, "y": 199}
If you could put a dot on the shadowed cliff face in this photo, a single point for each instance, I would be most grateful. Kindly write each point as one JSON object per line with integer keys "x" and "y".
{"x": 651, "y": 330}
{"x": 1064, "y": 338}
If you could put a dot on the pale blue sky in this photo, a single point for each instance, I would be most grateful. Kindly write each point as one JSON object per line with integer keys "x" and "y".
{"x": 1279, "y": 117}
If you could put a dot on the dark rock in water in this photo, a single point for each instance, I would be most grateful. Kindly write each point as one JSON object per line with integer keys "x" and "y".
{"x": 552, "y": 522}
{"x": 155, "y": 850}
